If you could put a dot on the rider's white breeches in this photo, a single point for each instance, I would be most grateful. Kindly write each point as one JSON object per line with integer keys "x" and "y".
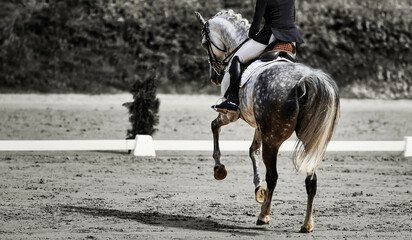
{"x": 251, "y": 50}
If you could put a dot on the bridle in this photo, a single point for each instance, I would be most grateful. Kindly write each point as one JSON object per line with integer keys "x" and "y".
{"x": 219, "y": 66}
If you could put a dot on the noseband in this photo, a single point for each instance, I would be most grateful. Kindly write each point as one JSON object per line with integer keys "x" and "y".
{"x": 219, "y": 66}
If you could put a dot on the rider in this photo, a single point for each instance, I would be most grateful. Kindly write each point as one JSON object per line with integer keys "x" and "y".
{"x": 279, "y": 27}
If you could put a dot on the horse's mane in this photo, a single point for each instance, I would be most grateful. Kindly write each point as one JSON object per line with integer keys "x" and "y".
{"x": 234, "y": 18}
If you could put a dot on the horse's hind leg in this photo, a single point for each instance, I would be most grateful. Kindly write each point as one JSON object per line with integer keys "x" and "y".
{"x": 257, "y": 180}
{"x": 223, "y": 119}
{"x": 269, "y": 154}
{"x": 311, "y": 183}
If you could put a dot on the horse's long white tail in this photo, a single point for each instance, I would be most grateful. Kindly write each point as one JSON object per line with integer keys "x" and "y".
{"x": 319, "y": 111}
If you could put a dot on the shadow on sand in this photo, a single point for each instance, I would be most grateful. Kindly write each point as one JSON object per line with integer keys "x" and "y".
{"x": 166, "y": 220}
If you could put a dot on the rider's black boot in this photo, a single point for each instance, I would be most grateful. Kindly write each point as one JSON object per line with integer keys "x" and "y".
{"x": 232, "y": 94}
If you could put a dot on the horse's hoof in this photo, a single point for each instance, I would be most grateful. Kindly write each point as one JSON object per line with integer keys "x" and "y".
{"x": 220, "y": 172}
{"x": 261, "y": 222}
{"x": 260, "y": 194}
{"x": 306, "y": 229}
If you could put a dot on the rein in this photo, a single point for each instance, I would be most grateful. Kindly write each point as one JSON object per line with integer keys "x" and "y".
{"x": 218, "y": 66}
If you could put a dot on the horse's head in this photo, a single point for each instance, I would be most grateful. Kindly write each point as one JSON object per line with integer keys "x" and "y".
{"x": 221, "y": 37}
{"x": 215, "y": 46}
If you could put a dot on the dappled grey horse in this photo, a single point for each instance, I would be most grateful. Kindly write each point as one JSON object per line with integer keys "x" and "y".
{"x": 277, "y": 100}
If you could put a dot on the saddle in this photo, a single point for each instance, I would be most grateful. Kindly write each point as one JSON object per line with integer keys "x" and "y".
{"x": 278, "y": 49}
{"x": 275, "y": 53}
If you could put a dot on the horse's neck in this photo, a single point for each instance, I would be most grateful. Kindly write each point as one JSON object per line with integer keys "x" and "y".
{"x": 232, "y": 37}
{"x": 234, "y": 42}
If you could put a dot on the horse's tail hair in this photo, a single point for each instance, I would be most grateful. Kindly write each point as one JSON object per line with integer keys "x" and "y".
{"x": 319, "y": 111}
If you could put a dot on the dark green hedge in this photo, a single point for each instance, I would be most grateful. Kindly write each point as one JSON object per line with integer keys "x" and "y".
{"x": 96, "y": 46}
{"x": 143, "y": 111}
{"x": 367, "y": 49}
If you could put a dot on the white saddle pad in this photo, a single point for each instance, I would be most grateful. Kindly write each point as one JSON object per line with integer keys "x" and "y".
{"x": 256, "y": 66}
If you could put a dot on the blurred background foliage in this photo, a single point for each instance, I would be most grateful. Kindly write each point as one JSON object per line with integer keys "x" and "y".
{"x": 100, "y": 46}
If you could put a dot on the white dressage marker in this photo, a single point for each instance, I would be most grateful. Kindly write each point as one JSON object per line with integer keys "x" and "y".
{"x": 408, "y": 147}
{"x": 144, "y": 146}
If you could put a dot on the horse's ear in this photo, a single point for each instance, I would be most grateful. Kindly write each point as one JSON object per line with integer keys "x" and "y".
{"x": 200, "y": 18}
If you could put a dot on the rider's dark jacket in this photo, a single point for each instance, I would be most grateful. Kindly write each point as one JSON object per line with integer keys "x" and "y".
{"x": 279, "y": 18}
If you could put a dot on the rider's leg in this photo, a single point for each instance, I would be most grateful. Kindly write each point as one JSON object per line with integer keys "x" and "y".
{"x": 235, "y": 70}
{"x": 250, "y": 50}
